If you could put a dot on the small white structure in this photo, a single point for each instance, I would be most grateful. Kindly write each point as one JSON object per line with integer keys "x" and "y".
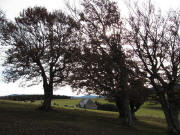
{"x": 87, "y": 103}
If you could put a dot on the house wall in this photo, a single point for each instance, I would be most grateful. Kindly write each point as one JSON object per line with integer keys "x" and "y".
{"x": 91, "y": 107}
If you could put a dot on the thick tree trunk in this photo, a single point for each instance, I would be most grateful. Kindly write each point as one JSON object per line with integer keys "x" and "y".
{"x": 171, "y": 114}
{"x": 133, "y": 115}
{"x": 47, "y": 85}
{"x": 128, "y": 118}
{"x": 48, "y": 93}
{"x": 119, "y": 105}
{"x": 133, "y": 110}
{"x": 174, "y": 125}
{"x": 124, "y": 111}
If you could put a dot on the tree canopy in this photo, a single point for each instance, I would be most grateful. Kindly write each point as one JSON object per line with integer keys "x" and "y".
{"x": 41, "y": 45}
{"x": 156, "y": 42}
{"x": 105, "y": 67}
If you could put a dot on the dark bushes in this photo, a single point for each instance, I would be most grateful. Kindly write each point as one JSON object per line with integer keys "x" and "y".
{"x": 106, "y": 107}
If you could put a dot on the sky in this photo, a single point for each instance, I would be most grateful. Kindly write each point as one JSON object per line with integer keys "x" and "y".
{"x": 12, "y": 8}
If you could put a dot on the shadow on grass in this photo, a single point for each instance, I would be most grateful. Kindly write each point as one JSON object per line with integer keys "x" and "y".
{"x": 151, "y": 127}
{"x": 153, "y": 107}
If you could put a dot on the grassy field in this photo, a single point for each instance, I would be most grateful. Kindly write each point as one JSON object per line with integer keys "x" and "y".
{"x": 20, "y": 118}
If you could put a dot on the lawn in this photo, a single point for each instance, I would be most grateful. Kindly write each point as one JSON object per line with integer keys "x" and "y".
{"x": 20, "y": 118}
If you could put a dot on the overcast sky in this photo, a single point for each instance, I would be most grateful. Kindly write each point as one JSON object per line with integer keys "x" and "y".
{"x": 12, "y": 8}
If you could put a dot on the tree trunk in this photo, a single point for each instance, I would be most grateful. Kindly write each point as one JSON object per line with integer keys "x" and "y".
{"x": 133, "y": 110}
{"x": 133, "y": 115}
{"x": 134, "y": 106}
{"x": 171, "y": 114}
{"x": 48, "y": 93}
{"x": 119, "y": 106}
{"x": 124, "y": 111}
{"x": 173, "y": 111}
{"x": 128, "y": 118}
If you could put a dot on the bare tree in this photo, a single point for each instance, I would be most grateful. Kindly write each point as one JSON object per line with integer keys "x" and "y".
{"x": 156, "y": 41}
{"x": 40, "y": 47}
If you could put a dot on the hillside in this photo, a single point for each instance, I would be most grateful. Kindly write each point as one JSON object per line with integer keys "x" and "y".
{"x": 20, "y": 118}
{"x": 31, "y": 97}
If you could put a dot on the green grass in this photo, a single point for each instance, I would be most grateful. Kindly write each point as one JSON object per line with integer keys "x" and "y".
{"x": 19, "y": 118}
{"x": 151, "y": 111}
{"x": 147, "y": 110}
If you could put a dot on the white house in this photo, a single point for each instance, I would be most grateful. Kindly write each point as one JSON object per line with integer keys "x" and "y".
{"x": 87, "y": 103}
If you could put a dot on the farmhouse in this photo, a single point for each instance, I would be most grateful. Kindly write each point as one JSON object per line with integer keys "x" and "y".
{"x": 87, "y": 103}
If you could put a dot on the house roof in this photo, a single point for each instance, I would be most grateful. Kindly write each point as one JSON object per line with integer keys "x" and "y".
{"x": 86, "y": 101}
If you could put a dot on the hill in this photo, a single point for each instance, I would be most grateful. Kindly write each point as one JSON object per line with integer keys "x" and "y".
{"x": 31, "y": 97}
{"x": 22, "y": 118}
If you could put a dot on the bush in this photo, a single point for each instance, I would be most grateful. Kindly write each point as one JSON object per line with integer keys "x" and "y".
{"x": 106, "y": 107}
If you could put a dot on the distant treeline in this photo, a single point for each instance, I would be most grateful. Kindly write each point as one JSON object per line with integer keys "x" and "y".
{"x": 32, "y": 97}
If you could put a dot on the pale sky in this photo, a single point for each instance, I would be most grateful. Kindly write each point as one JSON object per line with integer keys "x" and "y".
{"x": 12, "y": 8}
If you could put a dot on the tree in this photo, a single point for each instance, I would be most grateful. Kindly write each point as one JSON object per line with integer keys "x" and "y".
{"x": 41, "y": 45}
{"x": 2, "y": 22}
{"x": 103, "y": 67}
{"x": 156, "y": 42}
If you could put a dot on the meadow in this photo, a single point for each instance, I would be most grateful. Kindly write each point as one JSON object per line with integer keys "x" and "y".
{"x": 22, "y": 118}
